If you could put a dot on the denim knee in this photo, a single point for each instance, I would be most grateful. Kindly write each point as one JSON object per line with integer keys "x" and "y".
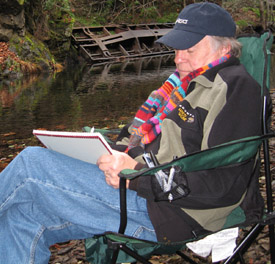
{"x": 32, "y": 154}
{"x": 32, "y": 151}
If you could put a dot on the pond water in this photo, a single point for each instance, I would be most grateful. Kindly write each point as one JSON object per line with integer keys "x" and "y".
{"x": 100, "y": 96}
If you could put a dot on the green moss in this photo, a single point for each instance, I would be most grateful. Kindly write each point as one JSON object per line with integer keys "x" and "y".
{"x": 20, "y": 2}
{"x": 168, "y": 18}
{"x": 59, "y": 12}
{"x": 60, "y": 21}
{"x": 242, "y": 23}
{"x": 84, "y": 21}
{"x": 255, "y": 10}
{"x": 32, "y": 51}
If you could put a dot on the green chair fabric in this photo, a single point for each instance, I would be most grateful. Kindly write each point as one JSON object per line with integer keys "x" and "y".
{"x": 252, "y": 56}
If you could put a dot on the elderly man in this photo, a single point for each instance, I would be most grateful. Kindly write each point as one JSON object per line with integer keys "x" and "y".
{"x": 46, "y": 197}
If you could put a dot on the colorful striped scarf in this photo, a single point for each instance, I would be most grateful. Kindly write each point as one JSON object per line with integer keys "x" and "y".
{"x": 148, "y": 119}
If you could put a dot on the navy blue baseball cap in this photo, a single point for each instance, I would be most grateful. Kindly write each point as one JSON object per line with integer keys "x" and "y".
{"x": 196, "y": 21}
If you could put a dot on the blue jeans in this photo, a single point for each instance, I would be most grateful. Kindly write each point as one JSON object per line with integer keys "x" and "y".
{"x": 46, "y": 198}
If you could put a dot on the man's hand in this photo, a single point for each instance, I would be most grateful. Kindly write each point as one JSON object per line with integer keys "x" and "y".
{"x": 111, "y": 165}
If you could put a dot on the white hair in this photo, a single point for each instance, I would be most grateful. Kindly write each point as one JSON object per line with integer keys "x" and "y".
{"x": 235, "y": 45}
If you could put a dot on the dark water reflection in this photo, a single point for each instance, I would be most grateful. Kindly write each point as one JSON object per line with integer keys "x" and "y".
{"x": 97, "y": 96}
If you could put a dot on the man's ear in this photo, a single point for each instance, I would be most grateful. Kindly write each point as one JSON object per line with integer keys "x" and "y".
{"x": 225, "y": 49}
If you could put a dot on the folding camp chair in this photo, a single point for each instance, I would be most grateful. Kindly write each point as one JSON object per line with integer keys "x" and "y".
{"x": 117, "y": 248}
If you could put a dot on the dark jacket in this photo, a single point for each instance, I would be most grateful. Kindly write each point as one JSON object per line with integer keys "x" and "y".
{"x": 222, "y": 105}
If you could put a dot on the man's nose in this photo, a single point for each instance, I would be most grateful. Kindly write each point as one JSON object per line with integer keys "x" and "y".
{"x": 180, "y": 56}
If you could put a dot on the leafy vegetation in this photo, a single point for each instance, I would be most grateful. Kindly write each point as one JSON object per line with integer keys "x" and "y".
{"x": 125, "y": 11}
{"x": 92, "y": 13}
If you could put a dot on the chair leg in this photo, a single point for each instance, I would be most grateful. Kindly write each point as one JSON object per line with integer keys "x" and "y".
{"x": 240, "y": 258}
{"x": 114, "y": 257}
{"x": 134, "y": 254}
{"x": 272, "y": 243}
{"x": 185, "y": 257}
{"x": 245, "y": 243}
{"x": 128, "y": 252}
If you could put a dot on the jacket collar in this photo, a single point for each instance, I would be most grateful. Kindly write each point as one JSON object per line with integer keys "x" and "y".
{"x": 209, "y": 76}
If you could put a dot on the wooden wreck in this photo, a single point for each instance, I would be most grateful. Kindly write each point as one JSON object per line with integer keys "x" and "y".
{"x": 119, "y": 42}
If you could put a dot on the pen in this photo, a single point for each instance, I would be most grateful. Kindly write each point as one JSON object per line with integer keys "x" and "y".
{"x": 154, "y": 159}
{"x": 162, "y": 175}
{"x": 150, "y": 163}
{"x": 170, "y": 178}
{"x": 148, "y": 160}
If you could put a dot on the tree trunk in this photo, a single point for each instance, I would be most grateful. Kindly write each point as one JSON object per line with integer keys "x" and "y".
{"x": 262, "y": 14}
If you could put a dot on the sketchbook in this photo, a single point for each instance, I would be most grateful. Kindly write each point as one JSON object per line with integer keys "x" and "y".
{"x": 85, "y": 146}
